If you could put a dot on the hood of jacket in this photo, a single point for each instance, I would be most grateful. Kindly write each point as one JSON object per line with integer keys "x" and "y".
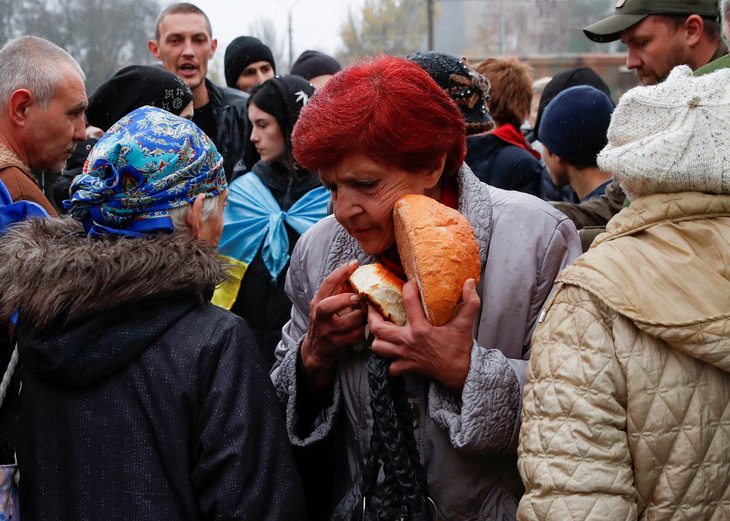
{"x": 664, "y": 263}
{"x": 87, "y": 307}
{"x": 286, "y": 192}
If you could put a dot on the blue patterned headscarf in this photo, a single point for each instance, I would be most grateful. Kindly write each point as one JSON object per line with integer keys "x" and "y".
{"x": 149, "y": 162}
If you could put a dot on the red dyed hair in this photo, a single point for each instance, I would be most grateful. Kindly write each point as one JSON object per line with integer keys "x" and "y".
{"x": 386, "y": 107}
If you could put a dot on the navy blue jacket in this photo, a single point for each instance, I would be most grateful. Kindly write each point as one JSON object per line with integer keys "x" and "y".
{"x": 503, "y": 165}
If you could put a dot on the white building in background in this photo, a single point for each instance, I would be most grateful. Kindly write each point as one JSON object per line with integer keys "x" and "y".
{"x": 481, "y": 28}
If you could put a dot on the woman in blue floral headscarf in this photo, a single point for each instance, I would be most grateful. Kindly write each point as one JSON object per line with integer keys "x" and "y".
{"x": 148, "y": 163}
{"x": 268, "y": 210}
{"x": 140, "y": 399}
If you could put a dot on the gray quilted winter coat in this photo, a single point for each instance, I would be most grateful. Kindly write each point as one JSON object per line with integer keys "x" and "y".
{"x": 467, "y": 443}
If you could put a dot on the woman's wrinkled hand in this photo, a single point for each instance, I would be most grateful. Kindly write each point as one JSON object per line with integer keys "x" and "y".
{"x": 336, "y": 322}
{"x": 440, "y": 353}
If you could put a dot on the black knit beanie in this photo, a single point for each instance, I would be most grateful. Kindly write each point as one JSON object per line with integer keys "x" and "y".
{"x": 134, "y": 87}
{"x": 565, "y": 80}
{"x": 311, "y": 64}
{"x": 242, "y": 52}
{"x": 283, "y": 97}
{"x": 467, "y": 87}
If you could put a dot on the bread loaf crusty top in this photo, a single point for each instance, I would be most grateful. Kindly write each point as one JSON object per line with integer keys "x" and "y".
{"x": 381, "y": 288}
{"x": 438, "y": 250}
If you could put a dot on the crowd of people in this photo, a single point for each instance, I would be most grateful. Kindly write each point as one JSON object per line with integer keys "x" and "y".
{"x": 180, "y": 340}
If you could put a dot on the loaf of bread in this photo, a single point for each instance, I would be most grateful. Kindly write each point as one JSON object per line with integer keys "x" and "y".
{"x": 438, "y": 250}
{"x": 379, "y": 287}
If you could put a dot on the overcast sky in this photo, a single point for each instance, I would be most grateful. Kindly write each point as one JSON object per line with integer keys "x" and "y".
{"x": 315, "y": 23}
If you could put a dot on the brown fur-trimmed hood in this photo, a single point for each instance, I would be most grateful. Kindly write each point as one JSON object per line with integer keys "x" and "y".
{"x": 49, "y": 272}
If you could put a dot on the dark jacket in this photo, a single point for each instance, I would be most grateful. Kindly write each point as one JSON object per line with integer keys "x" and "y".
{"x": 261, "y": 301}
{"x": 503, "y": 165}
{"x": 73, "y": 167}
{"x": 233, "y": 129}
{"x": 592, "y": 215}
{"x": 140, "y": 400}
{"x": 596, "y": 211}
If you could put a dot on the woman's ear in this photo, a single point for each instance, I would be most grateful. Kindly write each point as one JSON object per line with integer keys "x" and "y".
{"x": 195, "y": 216}
{"x": 433, "y": 176}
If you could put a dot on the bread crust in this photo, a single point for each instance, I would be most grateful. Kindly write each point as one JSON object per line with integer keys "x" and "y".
{"x": 382, "y": 289}
{"x": 438, "y": 250}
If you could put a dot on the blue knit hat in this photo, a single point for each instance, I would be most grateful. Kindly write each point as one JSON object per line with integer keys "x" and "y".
{"x": 575, "y": 123}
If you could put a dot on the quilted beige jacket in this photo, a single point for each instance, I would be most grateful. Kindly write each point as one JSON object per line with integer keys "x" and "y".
{"x": 626, "y": 409}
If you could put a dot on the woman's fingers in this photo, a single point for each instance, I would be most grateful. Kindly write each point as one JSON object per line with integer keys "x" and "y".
{"x": 337, "y": 306}
{"x": 336, "y": 282}
{"x": 441, "y": 353}
{"x": 468, "y": 307}
{"x": 413, "y": 305}
{"x": 383, "y": 329}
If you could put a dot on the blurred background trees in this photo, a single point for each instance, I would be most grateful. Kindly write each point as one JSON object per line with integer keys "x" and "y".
{"x": 275, "y": 37}
{"x": 474, "y": 28}
{"x": 103, "y": 36}
{"x": 384, "y": 27}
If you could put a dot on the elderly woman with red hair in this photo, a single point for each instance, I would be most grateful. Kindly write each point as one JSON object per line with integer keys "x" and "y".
{"x": 379, "y": 130}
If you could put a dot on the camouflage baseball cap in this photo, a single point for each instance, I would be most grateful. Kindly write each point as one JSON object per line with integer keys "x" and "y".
{"x": 631, "y": 12}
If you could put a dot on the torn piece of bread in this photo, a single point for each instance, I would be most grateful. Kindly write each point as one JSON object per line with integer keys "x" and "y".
{"x": 438, "y": 250}
{"x": 381, "y": 288}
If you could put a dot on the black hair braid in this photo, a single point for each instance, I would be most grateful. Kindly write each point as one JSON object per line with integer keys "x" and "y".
{"x": 391, "y": 498}
{"x": 405, "y": 417}
{"x": 383, "y": 415}
{"x": 372, "y": 463}
{"x": 393, "y": 435}
{"x": 398, "y": 452}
